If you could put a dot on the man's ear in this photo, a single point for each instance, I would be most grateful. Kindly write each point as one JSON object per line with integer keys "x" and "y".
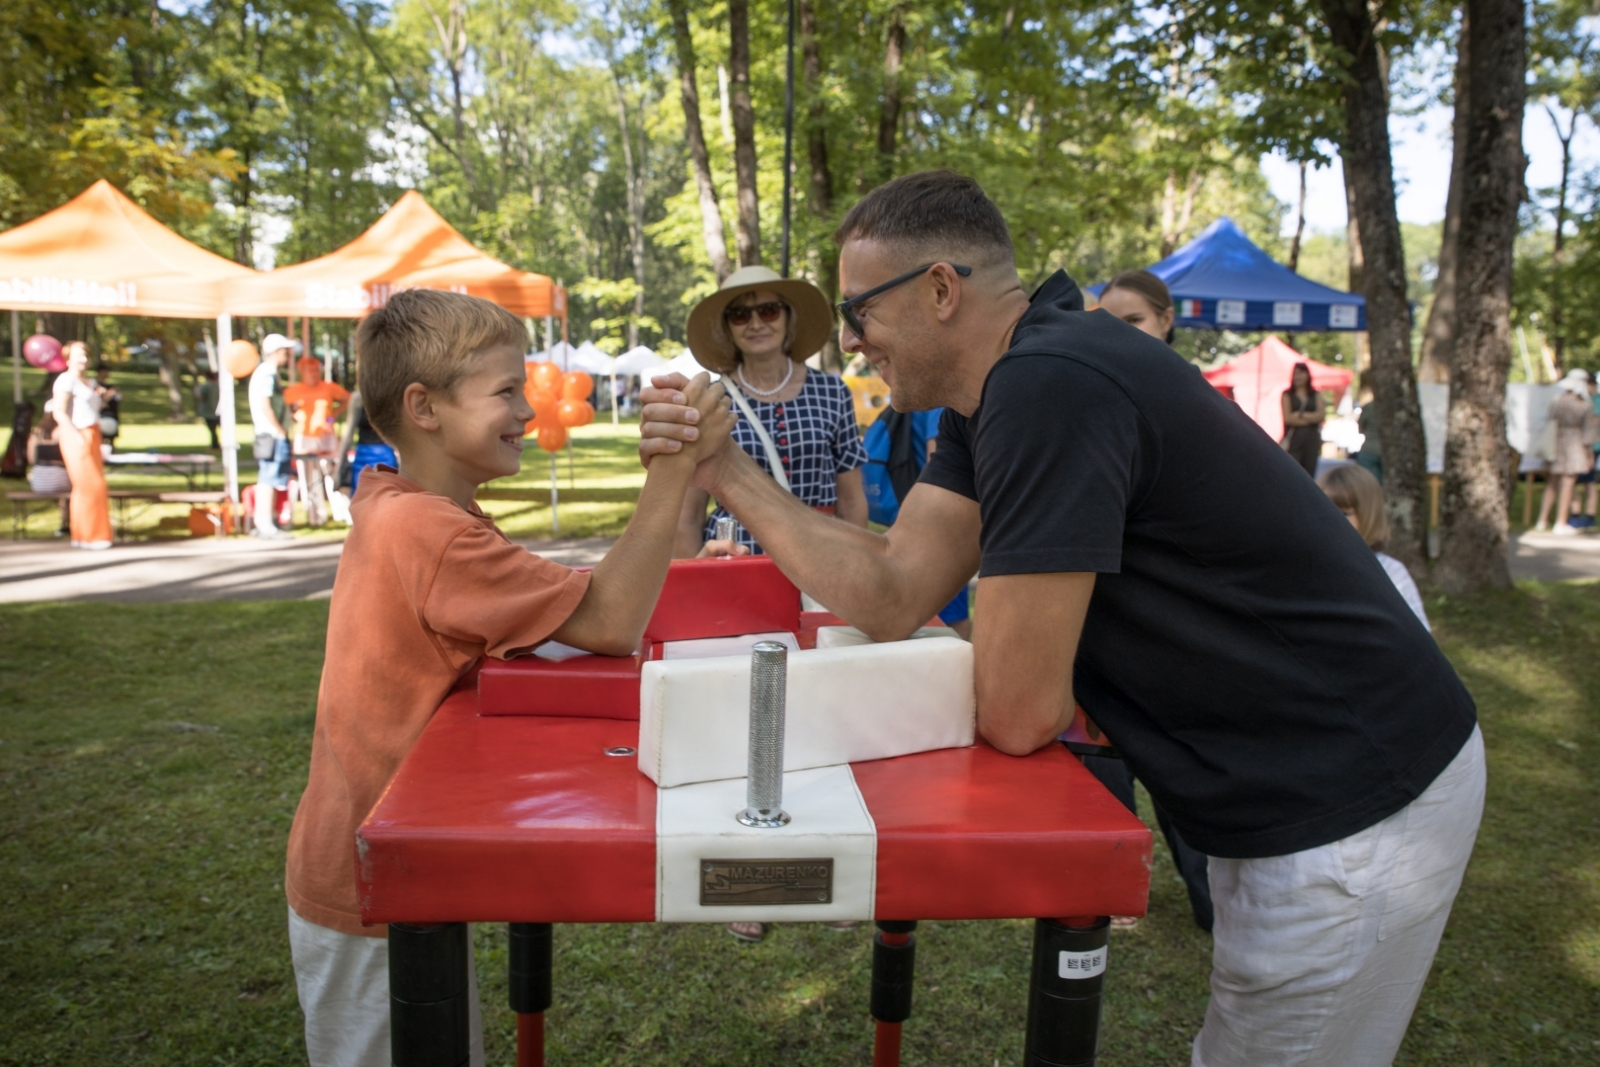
{"x": 946, "y": 291}
{"x": 417, "y": 404}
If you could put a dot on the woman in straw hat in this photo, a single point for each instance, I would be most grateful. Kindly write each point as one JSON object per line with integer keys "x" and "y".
{"x": 757, "y": 331}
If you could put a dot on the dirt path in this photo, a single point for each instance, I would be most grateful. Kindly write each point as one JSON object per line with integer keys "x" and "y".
{"x": 203, "y": 569}
{"x": 245, "y": 569}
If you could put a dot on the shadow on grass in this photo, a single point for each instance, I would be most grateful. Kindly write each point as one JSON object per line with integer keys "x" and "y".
{"x": 141, "y": 862}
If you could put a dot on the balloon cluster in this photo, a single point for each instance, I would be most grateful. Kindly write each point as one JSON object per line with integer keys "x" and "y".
{"x": 43, "y": 351}
{"x": 560, "y": 402}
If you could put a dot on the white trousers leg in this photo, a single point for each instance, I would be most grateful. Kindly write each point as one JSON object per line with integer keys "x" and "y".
{"x": 343, "y": 982}
{"x": 1319, "y": 956}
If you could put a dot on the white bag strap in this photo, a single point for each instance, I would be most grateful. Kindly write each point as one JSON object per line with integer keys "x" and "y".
{"x": 773, "y": 459}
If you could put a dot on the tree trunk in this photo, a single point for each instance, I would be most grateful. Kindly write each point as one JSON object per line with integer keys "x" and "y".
{"x": 635, "y": 183}
{"x": 889, "y": 118}
{"x": 1299, "y": 222}
{"x": 821, "y": 197}
{"x": 710, "y": 212}
{"x": 744, "y": 133}
{"x": 171, "y": 377}
{"x": 1369, "y": 173}
{"x": 1474, "y": 503}
{"x": 1439, "y": 333}
{"x": 1175, "y": 218}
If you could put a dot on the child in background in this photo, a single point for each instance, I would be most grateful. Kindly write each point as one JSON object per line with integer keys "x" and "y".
{"x": 1356, "y": 493}
{"x": 428, "y": 586}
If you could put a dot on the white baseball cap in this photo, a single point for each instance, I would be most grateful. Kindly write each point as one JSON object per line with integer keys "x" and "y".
{"x": 274, "y": 341}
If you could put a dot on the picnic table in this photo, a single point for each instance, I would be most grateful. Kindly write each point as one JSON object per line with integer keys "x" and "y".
{"x": 192, "y": 465}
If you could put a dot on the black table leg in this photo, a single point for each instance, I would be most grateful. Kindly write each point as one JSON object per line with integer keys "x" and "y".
{"x": 894, "y": 961}
{"x": 1069, "y": 962}
{"x": 531, "y": 969}
{"x": 429, "y": 1021}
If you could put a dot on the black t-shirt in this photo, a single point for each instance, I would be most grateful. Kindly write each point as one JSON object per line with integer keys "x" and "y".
{"x": 1243, "y": 647}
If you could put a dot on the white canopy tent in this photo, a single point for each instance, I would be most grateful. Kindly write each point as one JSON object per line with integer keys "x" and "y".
{"x": 637, "y": 362}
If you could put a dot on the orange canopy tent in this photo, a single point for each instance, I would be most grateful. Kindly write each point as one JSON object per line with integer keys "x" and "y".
{"x": 1255, "y": 380}
{"x": 100, "y": 254}
{"x": 410, "y": 247}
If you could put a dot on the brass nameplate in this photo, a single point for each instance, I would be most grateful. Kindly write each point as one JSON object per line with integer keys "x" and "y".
{"x": 780, "y": 881}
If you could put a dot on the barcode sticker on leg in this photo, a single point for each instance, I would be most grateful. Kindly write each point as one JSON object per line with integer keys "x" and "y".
{"x": 1083, "y": 964}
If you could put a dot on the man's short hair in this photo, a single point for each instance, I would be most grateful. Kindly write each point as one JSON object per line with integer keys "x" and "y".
{"x": 426, "y": 336}
{"x": 932, "y": 213}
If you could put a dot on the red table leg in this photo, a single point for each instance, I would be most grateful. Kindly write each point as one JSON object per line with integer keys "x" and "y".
{"x": 530, "y": 992}
{"x": 894, "y": 957}
{"x": 530, "y": 1039}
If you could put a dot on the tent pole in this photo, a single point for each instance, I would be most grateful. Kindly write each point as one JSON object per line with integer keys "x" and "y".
{"x": 230, "y": 438}
{"x": 16, "y": 358}
{"x": 613, "y": 400}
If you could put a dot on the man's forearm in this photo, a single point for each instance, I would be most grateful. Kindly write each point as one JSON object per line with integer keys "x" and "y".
{"x": 845, "y": 567}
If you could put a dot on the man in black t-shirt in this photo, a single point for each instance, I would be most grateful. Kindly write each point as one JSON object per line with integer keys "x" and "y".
{"x": 1145, "y": 550}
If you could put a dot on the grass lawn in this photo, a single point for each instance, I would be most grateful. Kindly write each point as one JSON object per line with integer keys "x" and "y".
{"x": 151, "y": 758}
{"x": 598, "y": 484}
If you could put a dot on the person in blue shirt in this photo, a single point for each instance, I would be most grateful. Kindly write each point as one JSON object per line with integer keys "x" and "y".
{"x": 894, "y": 442}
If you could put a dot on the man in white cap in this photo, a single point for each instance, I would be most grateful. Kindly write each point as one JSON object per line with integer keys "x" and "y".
{"x": 267, "y": 413}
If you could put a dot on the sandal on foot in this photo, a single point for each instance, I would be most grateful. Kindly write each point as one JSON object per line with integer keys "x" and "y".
{"x": 751, "y": 932}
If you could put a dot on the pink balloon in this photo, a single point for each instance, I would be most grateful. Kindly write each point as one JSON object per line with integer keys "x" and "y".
{"x": 40, "y": 349}
{"x": 57, "y": 364}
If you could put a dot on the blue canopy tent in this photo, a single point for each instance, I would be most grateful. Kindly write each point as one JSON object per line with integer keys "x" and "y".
{"x": 1221, "y": 280}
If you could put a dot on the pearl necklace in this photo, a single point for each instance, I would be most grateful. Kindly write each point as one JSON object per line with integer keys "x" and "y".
{"x": 766, "y": 392}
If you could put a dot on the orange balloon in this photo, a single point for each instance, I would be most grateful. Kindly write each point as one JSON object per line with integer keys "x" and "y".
{"x": 576, "y": 385}
{"x": 546, "y": 408}
{"x": 240, "y": 358}
{"x": 574, "y": 413}
{"x": 547, "y": 377}
{"x": 552, "y": 438}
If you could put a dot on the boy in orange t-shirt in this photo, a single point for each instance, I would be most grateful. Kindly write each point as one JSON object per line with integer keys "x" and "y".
{"x": 427, "y": 586}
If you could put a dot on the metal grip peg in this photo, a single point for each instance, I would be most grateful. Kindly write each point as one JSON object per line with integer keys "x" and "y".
{"x": 769, "y": 672}
{"x": 727, "y": 528}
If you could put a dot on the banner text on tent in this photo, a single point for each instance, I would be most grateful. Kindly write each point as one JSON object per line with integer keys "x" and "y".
{"x": 321, "y": 297}
{"x": 77, "y": 292}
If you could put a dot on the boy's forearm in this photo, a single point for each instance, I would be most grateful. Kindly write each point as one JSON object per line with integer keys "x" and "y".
{"x": 626, "y": 583}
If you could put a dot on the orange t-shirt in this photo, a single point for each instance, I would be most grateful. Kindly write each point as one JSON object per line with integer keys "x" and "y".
{"x": 313, "y": 407}
{"x": 424, "y": 590}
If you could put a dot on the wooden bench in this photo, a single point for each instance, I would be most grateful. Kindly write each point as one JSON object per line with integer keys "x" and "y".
{"x": 21, "y": 508}
{"x": 121, "y": 498}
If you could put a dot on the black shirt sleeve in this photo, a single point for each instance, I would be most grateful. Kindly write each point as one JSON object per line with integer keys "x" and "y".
{"x": 1053, "y": 481}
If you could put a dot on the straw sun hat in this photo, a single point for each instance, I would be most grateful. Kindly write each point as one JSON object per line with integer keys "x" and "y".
{"x": 712, "y": 343}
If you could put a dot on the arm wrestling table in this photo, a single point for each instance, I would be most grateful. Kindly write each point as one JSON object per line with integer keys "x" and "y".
{"x": 519, "y": 804}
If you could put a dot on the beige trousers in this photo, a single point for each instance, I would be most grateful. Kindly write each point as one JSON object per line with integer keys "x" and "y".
{"x": 1319, "y": 956}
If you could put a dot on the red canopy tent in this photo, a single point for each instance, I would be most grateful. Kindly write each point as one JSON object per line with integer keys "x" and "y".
{"x": 1255, "y": 380}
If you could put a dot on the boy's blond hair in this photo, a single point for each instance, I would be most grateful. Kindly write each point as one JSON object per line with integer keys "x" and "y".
{"x": 429, "y": 337}
{"x": 1354, "y": 489}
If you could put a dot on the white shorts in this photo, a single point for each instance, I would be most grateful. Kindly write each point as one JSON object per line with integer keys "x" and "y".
{"x": 1319, "y": 956}
{"x": 343, "y": 981}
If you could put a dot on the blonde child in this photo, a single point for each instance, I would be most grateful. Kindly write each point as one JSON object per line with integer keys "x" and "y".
{"x": 427, "y": 587}
{"x": 1356, "y": 493}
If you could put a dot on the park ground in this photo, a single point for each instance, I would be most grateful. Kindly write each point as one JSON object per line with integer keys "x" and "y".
{"x": 151, "y": 755}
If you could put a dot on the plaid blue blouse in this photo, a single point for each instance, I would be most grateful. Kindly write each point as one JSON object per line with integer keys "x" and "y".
{"x": 816, "y": 437}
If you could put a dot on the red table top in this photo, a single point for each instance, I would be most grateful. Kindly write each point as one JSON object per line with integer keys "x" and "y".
{"x": 525, "y": 819}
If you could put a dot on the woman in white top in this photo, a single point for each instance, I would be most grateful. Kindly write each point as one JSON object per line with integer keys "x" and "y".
{"x": 77, "y": 408}
{"x": 1356, "y": 493}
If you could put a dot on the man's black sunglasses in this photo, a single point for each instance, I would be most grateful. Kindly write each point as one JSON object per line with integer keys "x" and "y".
{"x": 847, "y": 308}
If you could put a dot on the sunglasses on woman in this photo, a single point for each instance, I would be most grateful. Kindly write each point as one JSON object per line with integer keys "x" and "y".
{"x": 770, "y": 312}
{"x": 847, "y": 308}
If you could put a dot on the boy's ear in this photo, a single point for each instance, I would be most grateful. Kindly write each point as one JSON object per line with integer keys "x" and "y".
{"x": 417, "y": 404}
